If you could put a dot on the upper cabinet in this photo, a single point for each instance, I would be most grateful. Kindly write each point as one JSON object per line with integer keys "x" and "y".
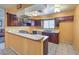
{"x": 12, "y": 20}
{"x": 37, "y": 23}
{"x": 65, "y": 18}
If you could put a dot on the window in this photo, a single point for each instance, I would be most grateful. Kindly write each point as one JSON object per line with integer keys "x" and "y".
{"x": 49, "y": 24}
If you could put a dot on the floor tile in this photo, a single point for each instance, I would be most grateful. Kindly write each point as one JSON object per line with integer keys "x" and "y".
{"x": 53, "y": 49}
{"x": 60, "y": 49}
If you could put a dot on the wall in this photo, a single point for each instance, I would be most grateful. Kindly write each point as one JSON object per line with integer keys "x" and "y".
{"x": 66, "y": 32}
{"x": 76, "y": 29}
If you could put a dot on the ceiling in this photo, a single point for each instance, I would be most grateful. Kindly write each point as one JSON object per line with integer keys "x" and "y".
{"x": 43, "y": 9}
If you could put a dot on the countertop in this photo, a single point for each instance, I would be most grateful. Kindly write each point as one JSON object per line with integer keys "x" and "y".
{"x": 29, "y": 36}
{"x": 53, "y": 31}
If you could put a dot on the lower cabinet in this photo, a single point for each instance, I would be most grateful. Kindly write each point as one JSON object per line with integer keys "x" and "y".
{"x": 15, "y": 42}
{"x": 18, "y": 44}
{"x": 53, "y": 37}
{"x": 8, "y": 41}
{"x": 45, "y": 47}
{"x": 25, "y": 46}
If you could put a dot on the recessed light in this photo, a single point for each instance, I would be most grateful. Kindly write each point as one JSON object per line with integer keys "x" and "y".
{"x": 57, "y": 10}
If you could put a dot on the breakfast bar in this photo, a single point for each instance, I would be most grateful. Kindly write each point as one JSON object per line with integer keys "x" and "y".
{"x": 26, "y": 44}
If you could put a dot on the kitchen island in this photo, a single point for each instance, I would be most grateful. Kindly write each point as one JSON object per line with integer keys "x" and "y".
{"x": 26, "y": 44}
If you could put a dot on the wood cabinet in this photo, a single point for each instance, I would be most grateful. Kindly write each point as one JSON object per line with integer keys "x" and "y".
{"x": 65, "y": 18}
{"x": 15, "y": 42}
{"x": 53, "y": 37}
{"x": 45, "y": 47}
{"x": 8, "y": 41}
{"x": 32, "y": 23}
{"x": 25, "y": 46}
{"x": 12, "y": 20}
{"x": 8, "y": 19}
{"x": 57, "y": 23}
{"x": 37, "y": 23}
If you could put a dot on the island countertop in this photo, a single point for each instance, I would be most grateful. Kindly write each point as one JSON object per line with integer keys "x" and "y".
{"x": 30, "y": 36}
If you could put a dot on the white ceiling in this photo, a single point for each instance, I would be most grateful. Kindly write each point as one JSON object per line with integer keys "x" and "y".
{"x": 46, "y": 9}
{"x": 49, "y": 8}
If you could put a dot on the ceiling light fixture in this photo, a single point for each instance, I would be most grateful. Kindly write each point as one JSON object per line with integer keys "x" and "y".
{"x": 57, "y": 10}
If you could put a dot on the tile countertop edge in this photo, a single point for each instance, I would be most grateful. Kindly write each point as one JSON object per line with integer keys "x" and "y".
{"x": 29, "y": 36}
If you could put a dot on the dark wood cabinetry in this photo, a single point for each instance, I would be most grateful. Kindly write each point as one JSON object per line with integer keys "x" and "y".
{"x": 61, "y": 19}
{"x": 37, "y": 23}
{"x": 65, "y": 18}
{"x": 57, "y": 23}
{"x": 53, "y": 37}
{"x": 45, "y": 47}
{"x": 11, "y": 20}
{"x": 8, "y": 19}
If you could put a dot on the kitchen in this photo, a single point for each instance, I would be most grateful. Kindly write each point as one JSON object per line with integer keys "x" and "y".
{"x": 31, "y": 27}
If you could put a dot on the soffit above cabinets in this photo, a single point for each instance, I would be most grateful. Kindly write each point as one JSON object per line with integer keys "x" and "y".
{"x": 45, "y": 9}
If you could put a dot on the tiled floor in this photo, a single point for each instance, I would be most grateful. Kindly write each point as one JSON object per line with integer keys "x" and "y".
{"x": 2, "y": 46}
{"x": 6, "y": 51}
{"x": 53, "y": 49}
{"x": 60, "y": 49}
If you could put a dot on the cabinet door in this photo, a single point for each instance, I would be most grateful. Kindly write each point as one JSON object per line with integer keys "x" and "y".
{"x": 8, "y": 41}
{"x": 37, "y": 22}
{"x": 57, "y": 23}
{"x": 17, "y": 44}
{"x": 54, "y": 38}
{"x": 45, "y": 47}
{"x": 32, "y": 47}
{"x": 11, "y": 19}
{"x": 47, "y": 34}
{"x": 8, "y": 19}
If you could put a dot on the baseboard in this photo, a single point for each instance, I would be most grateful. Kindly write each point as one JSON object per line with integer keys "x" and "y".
{"x": 65, "y": 42}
